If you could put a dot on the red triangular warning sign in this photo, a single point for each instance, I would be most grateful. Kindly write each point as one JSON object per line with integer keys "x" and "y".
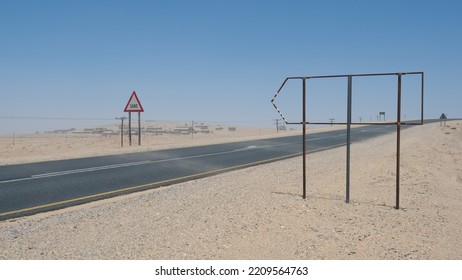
{"x": 134, "y": 104}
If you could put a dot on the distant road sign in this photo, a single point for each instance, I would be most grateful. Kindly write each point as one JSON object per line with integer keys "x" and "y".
{"x": 134, "y": 104}
{"x": 443, "y": 116}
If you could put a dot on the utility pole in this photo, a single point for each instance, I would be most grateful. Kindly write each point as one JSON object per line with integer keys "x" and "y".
{"x": 277, "y": 125}
{"x": 192, "y": 130}
{"x": 121, "y": 130}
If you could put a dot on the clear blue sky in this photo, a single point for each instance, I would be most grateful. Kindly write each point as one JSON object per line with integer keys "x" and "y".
{"x": 214, "y": 60}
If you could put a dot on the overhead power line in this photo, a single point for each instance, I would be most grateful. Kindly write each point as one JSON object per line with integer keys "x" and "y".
{"x": 53, "y": 118}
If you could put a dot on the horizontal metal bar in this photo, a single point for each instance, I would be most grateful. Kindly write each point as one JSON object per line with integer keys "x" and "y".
{"x": 404, "y": 123}
{"x": 356, "y": 75}
{"x": 356, "y": 123}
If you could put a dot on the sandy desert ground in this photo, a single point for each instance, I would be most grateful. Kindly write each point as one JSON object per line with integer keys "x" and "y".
{"x": 258, "y": 212}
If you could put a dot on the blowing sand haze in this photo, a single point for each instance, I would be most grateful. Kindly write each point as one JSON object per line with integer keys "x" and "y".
{"x": 258, "y": 212}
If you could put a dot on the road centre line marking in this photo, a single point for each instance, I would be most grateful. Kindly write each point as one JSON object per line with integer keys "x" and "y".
{"x": 106, "y": 167}
{"x": 89, "y": 169}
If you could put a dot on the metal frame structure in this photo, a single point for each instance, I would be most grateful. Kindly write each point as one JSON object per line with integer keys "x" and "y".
{"x": 349, "y": 122}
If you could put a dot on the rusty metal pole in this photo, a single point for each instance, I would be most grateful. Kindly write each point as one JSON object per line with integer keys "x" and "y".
{"x": 139, "y": 128}
{"x": 347, "y": 200}
{"x": 398, "y": 139}
{"x": 304, "y": 138}
{"x": 122, "y": 132}
{"x": 422, "y": 98}
{"x": 130, "y": 128}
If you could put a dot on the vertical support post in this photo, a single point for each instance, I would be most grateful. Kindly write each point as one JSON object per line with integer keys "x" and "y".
{"x": 347, "y": 199}
{"x": 422, "y": 101}
{"x": 304, "y": 138}
{"x": 122, "y": 132}
{"x": 130, "y": 128}
{"x": 139, "y": 128}
{"x": 398, "y": 139}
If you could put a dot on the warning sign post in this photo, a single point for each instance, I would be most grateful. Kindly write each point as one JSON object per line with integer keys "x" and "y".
{"x": 134, "y": 105}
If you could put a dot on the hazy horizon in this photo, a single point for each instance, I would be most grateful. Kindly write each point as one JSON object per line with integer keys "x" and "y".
{"x": 66, "y": 64}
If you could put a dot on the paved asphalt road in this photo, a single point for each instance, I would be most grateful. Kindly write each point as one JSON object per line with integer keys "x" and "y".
{"x": 37, "y": 187}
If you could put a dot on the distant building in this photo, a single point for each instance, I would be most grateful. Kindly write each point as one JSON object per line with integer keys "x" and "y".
{"x": 183, "y": 130}
{"x": 202, "y": 128}
{"x": 154, "y": 130}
